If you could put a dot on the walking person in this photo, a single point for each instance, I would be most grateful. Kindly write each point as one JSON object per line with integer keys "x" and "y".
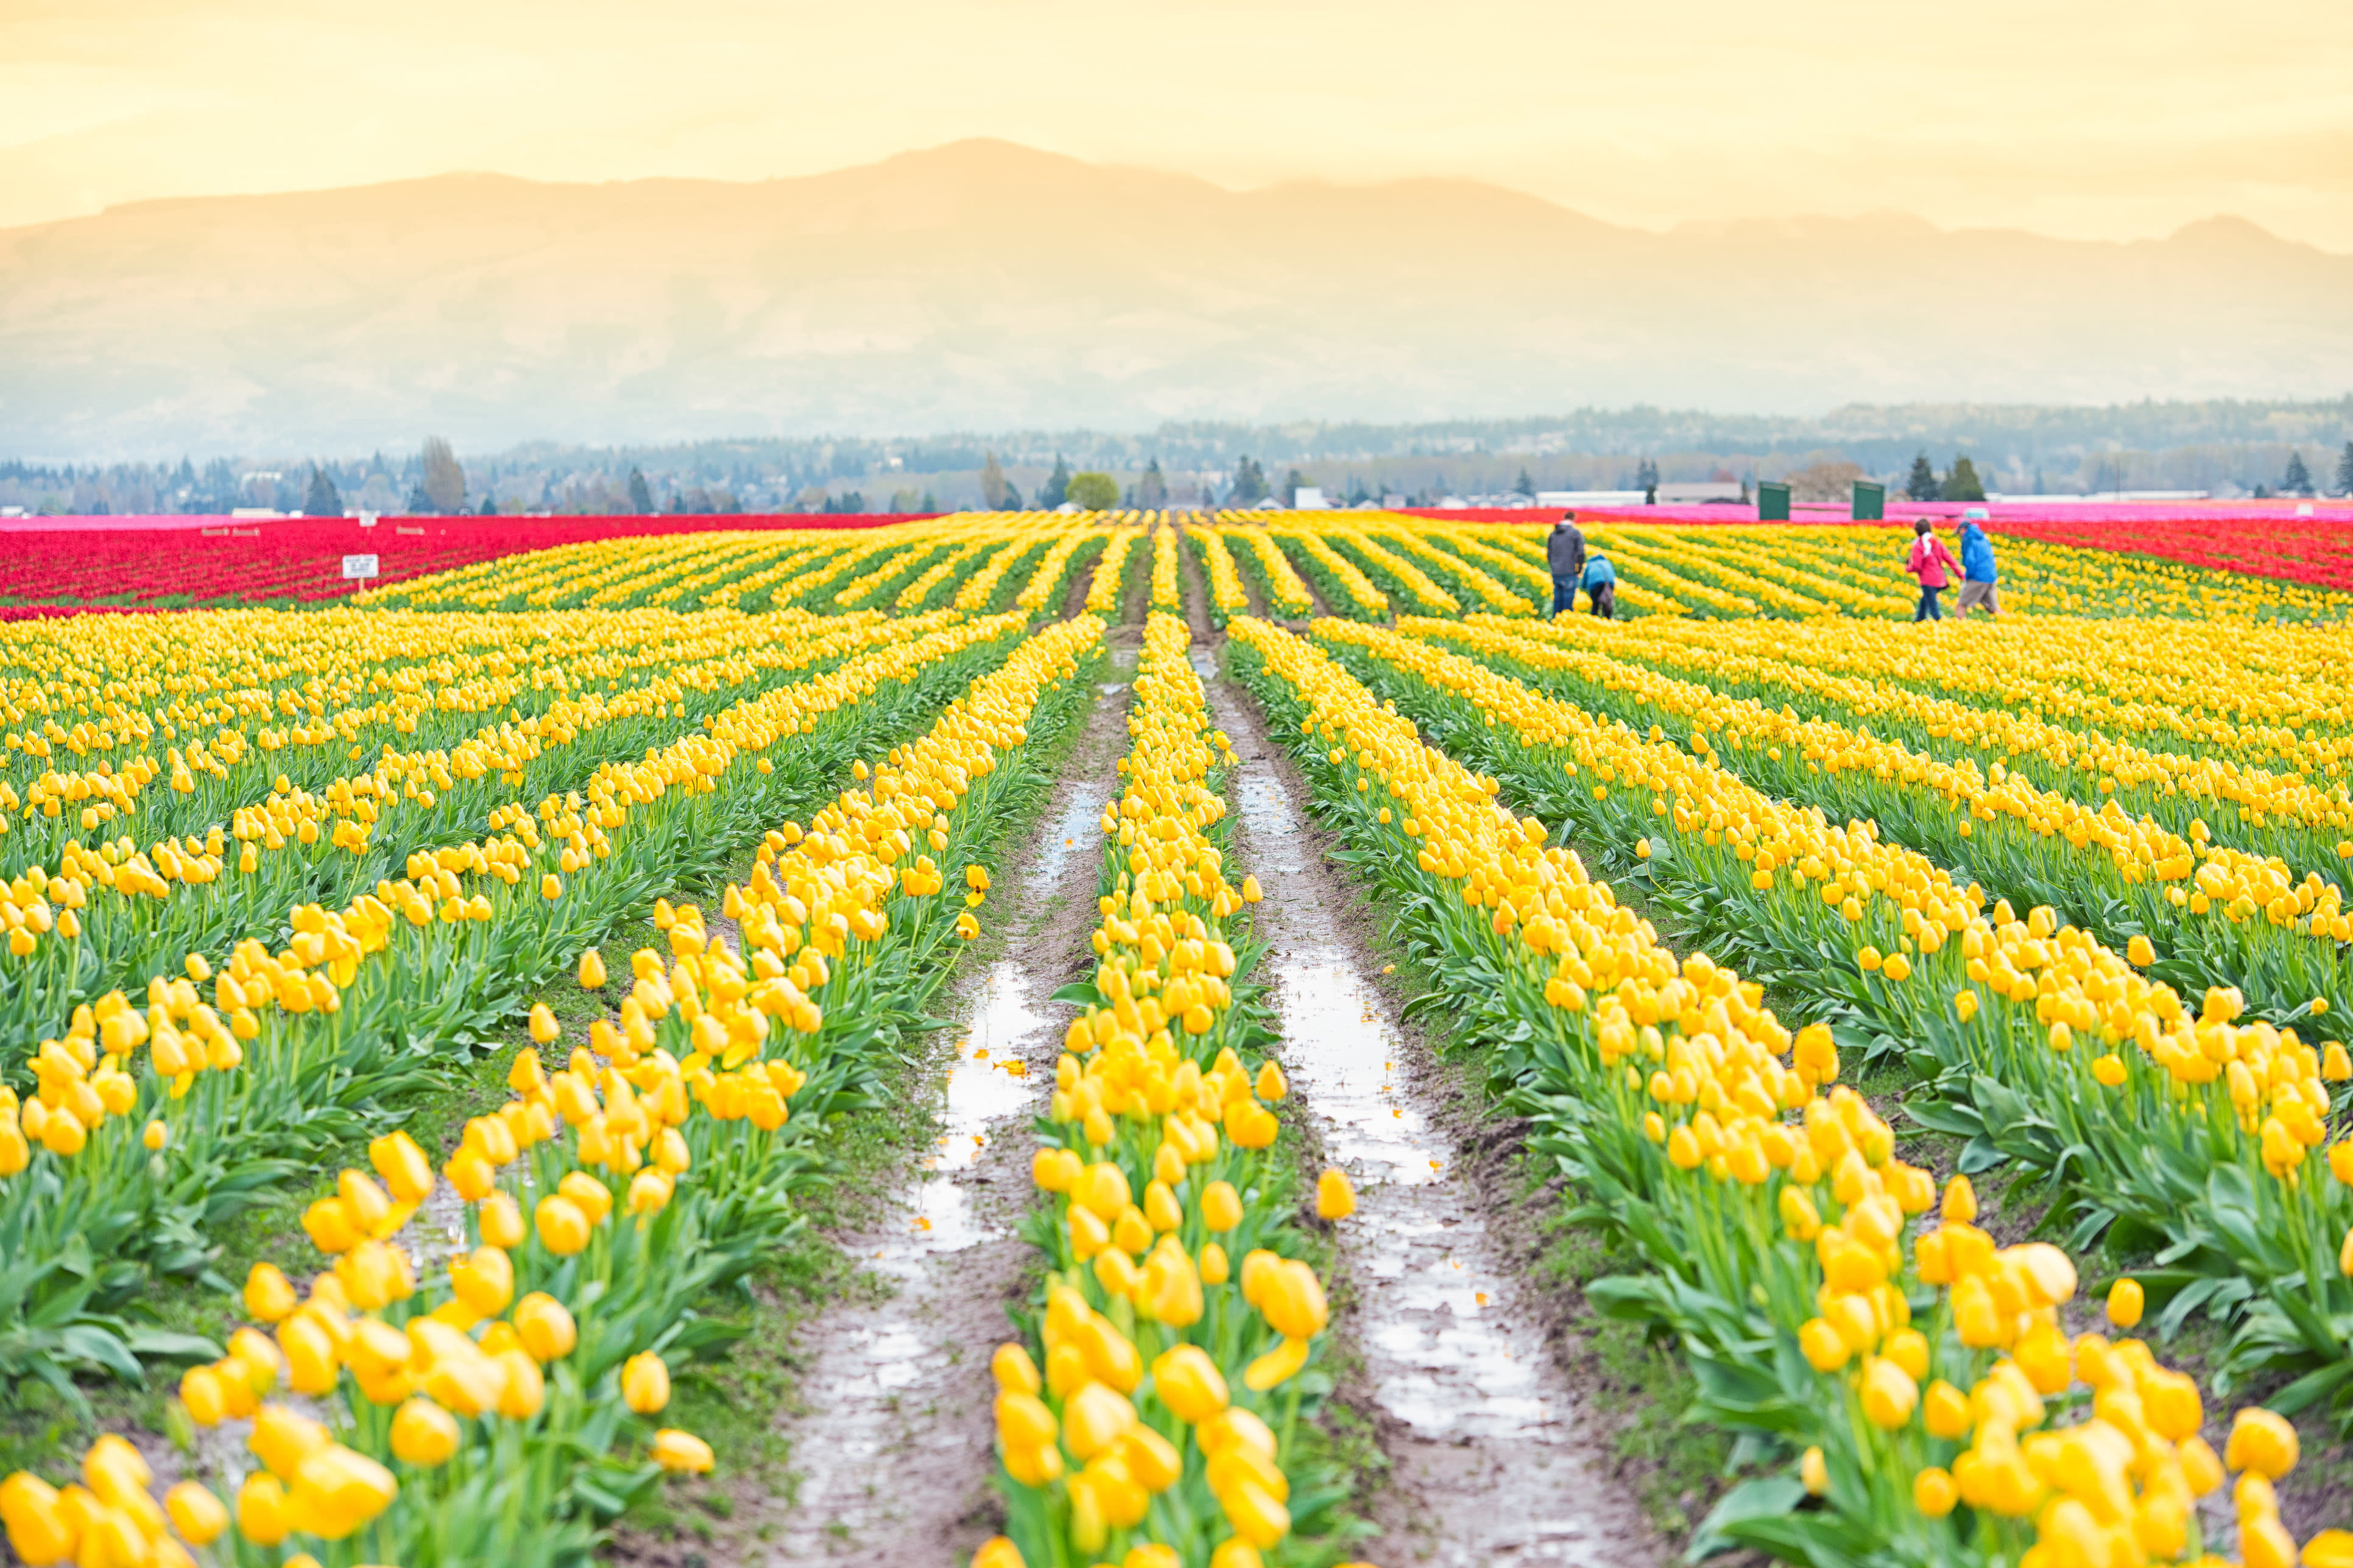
{"x": 1565, "y": 557}
{"x": 1600, "y": 584}
{"x": 1928, "y": 564}
{"x": 1978, "y": 575}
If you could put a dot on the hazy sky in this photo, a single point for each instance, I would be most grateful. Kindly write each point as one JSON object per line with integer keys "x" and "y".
{"x": 2096, "y": 121}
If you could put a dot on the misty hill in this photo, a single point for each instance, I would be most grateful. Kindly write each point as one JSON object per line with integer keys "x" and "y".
{"x": 985, "y": 286}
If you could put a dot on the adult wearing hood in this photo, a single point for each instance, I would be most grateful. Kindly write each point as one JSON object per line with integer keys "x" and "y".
{"x": 1978, "y": 574}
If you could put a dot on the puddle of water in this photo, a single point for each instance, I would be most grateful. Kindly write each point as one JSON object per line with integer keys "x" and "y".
{"x": 980, "y": 1092}
{"x": 1445, "y": 1361}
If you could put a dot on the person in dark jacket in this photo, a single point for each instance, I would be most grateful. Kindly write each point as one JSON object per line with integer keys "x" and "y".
{"x": 1565, "y": 557}
{"x": 1600, "y": 584}
{"x": 1927, "y": 564}
{"x": 1978, "y": 575}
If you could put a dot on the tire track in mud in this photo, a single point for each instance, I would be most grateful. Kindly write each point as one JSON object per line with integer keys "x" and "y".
{"x": 892, "y": 1440}
{"x": 1493, "y": 1458}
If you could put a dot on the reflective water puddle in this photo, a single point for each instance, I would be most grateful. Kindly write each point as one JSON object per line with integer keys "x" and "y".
{"x": 1499, "y": 1469}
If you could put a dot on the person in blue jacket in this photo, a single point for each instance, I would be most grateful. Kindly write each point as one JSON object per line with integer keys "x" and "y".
{"x": 1600, "y": 586}
{"x": 1978, "y": 575}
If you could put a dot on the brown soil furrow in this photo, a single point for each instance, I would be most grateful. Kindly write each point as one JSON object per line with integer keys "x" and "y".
{"x": 1495, "y": 1458}
{"x": 892, "y": 1447}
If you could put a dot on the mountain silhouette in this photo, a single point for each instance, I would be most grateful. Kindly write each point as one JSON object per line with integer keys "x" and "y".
{"x": 983, "y": 285}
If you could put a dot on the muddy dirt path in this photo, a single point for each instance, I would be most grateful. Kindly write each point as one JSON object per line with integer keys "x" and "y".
{"x": 1493, "y": 1459}
{"x": 891, "y": 1447}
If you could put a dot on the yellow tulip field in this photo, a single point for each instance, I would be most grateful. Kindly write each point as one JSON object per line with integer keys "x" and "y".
{"x": 1774, "y": 928}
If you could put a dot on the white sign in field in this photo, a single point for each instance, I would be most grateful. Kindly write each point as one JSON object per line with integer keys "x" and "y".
{"x": 359, "y": 566}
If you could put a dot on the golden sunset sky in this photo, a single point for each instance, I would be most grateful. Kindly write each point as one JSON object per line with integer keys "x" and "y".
{"x": 2102, "y": 120}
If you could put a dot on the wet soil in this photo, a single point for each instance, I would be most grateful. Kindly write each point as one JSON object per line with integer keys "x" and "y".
{"x": 1496, "y": 1455}
{"x": 892, "y": 1442}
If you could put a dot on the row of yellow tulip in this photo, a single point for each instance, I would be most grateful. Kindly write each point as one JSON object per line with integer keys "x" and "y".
{"x": 1919, "y": 1384}
{"x": 1109, "y": 581}
{"x": 1286, "y": 592}
{"x": 297, "y": 1049}
{"x": 215, "y": 705}
{"x": 2255, "y": 697}
{"x": 92, "y": 920}
{"x": 2215, "y": 914}
{"x": 1042, "y": 594}
{"x": 491, "y": 1411}
{"x": 1228, "y": 597}
{"x": 1166, "y": 587}
{"x": 1151, "y": 1417}
{"x": 2181, "y": 1127}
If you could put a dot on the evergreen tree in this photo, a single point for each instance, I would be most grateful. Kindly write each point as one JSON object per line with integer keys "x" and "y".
{"x": 1646, "y": 480}
{"x": 490, "y": 506}
{"x": 419, "y": 504}
{"x": 2344, "y": 471}
{"x": 993, "y": 487}
{"x": 1152, "y": 488}
{"x": 321, "y": 501}
{"x": 1012, "y": 497}
{"x": 2297, "y": 481}
{"x": 1058, "y": 486}
{"x": 1357, "y": 494}
{"x": 1250, "y": 484}
{"x": 1292, "y": 481}
{"x": 1962, "y": 483}
{"x": 642, "y": 495}
{"x": 1922, "y": 485}
{"x": 1527, "y": 486}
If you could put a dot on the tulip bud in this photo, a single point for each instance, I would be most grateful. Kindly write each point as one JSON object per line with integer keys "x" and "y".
{"x": 525, "y": 1391}
{"x": 423, "y": 1434}
{"x": 1188, "y": 1383}
{"x": 543, "y": 1026}
{"x": 500, "y": 1220}
{"x": 269, "y": 1296}
{"x": 2125, "y": 1303}
{"x": 261, "y": 1511}
{"x": 1013, "y": 1370}
{"x": 1222, "y": 1206}
{"x": 196, "y": 1513}
{"x": 545, "y": 1327}
{"x": 1335, "y": 1199}
{"x": 683, "y": 1453}
{"x": 997, "y": 1553}
{"x": 645, "y": 1383}
{"x": 154, "y": 1136}
{"x": 1272, "y": 1085}
{"x": 562, "y": 1229}
{"x": 592, "y": 970}
{"x": 483, "y": 1279}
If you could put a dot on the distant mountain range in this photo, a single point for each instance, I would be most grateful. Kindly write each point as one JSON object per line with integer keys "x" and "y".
{"x": 988, "y": 286}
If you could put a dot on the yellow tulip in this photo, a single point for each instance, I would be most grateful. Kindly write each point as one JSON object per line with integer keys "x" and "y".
{"x": 269, "y": 1296}
{"x": 592, "y": 969}
{"x": 196, "y": 1512}
{"x": 563, "y": 1230}
{"x": 1222, "y": 1206}
{"x": 645, "y": 1383}
{"x": 423, "y": 1434}
{"x": 2125, "y": 1303}
{"x": 2262, "y": 1443}
{"x": 545, "y": 1327}
{"x": 1335, "y": 1199}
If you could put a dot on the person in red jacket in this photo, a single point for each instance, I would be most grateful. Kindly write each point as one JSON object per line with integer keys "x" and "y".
{"x": 1929, "y": 563}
